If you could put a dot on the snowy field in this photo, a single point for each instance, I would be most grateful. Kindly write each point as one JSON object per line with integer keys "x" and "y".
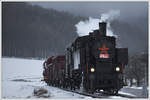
{"x": 20, "y": 77}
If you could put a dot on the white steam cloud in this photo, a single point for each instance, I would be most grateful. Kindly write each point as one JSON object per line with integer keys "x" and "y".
{"x": 84, "y": 27}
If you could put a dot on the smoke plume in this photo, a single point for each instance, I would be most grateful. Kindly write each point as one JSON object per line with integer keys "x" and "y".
{"x": 84, "y": 27}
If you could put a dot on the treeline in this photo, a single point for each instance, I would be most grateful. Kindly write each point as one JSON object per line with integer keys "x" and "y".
{"x": 136, "y": 72}
{"x": 32, "y": 31}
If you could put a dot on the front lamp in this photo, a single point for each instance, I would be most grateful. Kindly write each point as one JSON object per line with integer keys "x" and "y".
{"x": 92, "y": 69}
{"x": 117, "y": 69}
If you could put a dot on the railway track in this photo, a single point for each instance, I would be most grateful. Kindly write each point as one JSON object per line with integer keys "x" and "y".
{"x": 99, "y": 94}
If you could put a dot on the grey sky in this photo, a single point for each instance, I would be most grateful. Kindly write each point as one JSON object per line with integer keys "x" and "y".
{"x": 128, "y": 10}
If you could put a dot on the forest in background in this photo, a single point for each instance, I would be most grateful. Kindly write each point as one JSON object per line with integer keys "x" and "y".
{"x": 32, "y": 31}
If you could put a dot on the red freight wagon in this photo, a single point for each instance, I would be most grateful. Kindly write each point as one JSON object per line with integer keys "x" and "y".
{"x": 55, "y": 70}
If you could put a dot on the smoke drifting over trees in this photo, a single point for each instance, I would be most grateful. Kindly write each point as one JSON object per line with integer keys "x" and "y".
{"x": 131, "y": 26}
{"x": 84, "y": 27}
{"x": 33, "y": 31}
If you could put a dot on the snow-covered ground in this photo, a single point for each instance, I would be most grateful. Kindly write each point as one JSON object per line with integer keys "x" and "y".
{"x": 20, "y": 77}
{"x": 134, "y": 91}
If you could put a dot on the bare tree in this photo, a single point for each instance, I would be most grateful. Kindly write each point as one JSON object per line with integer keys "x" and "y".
{"x": 136, "y": 68}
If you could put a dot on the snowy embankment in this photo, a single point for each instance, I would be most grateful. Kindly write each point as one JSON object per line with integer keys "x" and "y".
{"x": 20, "y": 77}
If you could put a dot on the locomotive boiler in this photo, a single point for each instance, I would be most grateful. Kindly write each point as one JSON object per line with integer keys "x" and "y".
{"x": 94, "y": 63}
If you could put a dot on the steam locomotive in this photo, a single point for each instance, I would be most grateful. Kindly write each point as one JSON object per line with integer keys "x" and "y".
{"x": 92, "y": 62}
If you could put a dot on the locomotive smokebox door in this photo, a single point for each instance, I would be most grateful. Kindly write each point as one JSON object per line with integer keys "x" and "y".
{"x": 122, "y": 55}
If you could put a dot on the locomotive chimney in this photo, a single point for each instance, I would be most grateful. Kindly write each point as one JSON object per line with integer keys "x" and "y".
{"x": 102, "y": 28}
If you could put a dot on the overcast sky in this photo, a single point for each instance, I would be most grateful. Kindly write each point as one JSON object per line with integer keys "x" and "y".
{"x": 128, "y": 10}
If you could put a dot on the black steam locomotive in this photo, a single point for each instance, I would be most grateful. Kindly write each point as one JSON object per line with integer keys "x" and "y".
{"x": 94, "y": 63}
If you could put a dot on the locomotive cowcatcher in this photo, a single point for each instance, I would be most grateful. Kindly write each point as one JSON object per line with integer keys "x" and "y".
{"x": 94, "y": 63}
